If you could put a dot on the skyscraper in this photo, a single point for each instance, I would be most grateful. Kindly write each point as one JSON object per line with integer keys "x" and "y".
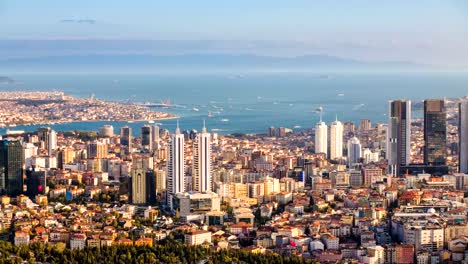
{"x": 321, "y": 137}
{"x": 156, "y": 137}
{"x": 11, "y": 167}
{"x": 138, "y": 186}
{"x": 52, "y": 142}
{"x": 43, "y": 135}
{"x": 366, "y": 124}
{"x": 336, "y": 140}
{"x": 35, "y": 181}
{"x": 175, "y": 167}
{"x": 147, "y": 136}
{"x": 435, "y": 133}
{"x": 399, "y": 135}
{"x": 97, "y": 149}
{"x": 202, "y": 179}
{"x": 126, "y": 137}
{"x": 463, "y": 136}
{"x": 354, "y": 150}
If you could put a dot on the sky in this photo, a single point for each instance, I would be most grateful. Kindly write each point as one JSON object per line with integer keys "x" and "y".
{"x": 430, "y": 32}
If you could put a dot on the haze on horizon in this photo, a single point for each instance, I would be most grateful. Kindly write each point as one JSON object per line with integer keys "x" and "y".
{"x": 429, "y": 32}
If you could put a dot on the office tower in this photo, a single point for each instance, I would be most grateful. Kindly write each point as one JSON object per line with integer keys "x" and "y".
{"x": 106, "y": 131}
{"x": 43, "y": 134}
{"x": 35, "y": 181}
{"x": 202, "y": 179}
{"x": 175, "y": 167}
{"x": 463, "y": 136}
{"x": 147, "y": 136}
{"x": 336, "y": 140}
{"x": 435, "y": 133}
{"x": 321, "y": 137}
{"x": 354, "y": 150}
{"x": 272, "y": 132}
{"x": 97, "y": 150}
{"x": 151, "y": 187}
{"x": 11, "y": 167}
{"x": 160, "y": 180}
{"x": 398, "y": 135}
{"x": 126, "y": 137}
{"x": 138, "y": 186}
{"x": 156, "y": 137}
{"x": 52, "y": 142}
{"x": 366, "y": 124}
{"x": 64, "y": 156}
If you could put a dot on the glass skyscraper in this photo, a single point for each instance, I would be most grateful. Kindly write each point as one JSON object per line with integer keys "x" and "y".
{"x": 435, "y": 133}
{"x": 11, "y": 167}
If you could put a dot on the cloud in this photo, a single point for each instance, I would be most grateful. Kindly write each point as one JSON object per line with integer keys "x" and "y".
{"x": 79, "y": 21}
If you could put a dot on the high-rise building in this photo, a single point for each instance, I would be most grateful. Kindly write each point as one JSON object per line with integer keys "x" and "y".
{"x": 202, "y": 179}
{"x": 52, "y": 142}
{"x": 160, "y": 180}
{"x": 366, "y": 124}
{"x": 97, "y": 150}
{"x": 354, "y": 150}
{"x": 463, "y": 137}
{"x": 138, "y": 186}
{"x": 399, "y": 135}
{"x": 49, "y": 137}
{"x": 147, "y": 136}
{"x": 336, "y": 140}
{"x": 43, "y": 134}
{"x": 435, "y": 133}
{"x": 321, "y": 137}
{"x": 151, "y": 187}
{"x": 175, "y": 167}
{"x": 35, "y": 181}
{"x": 126, "y": 137}
{"x": 11, "y": 167}
{"x": 156, "y": 137}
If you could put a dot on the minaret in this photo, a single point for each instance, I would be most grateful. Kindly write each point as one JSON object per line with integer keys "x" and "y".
{"x": 175, "y": 166}
{"x": 202, "y": 178}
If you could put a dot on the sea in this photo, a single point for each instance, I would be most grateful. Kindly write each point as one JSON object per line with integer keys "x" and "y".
{"x": 247, "y": 102}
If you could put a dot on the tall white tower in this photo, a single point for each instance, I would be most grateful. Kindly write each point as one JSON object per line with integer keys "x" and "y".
{"x": 354, "y": 150}
{"x": 52, "y": 142}
{"x": 463, "y": 136}
{"x": 175, "y": 166}
{"x": 202, "y": 179}
{"x": 321, "y": 137}
{"x": 336, "y": 140}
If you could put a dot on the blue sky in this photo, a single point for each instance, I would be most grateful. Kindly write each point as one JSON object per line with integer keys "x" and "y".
{"x": 433, "y": 32}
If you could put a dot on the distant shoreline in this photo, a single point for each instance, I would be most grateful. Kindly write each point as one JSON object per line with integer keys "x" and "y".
{"x": 88, "y": 121}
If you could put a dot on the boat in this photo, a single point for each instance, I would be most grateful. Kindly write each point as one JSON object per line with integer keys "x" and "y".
{"x": 341, "y": 94}
{"x": 210, "y": 114}
{"x": 130, "y": 121}
{"x": 297, "y": 127}
{"x": 195, "y": 109}
{"x": 224, "y": 120}
{"x": 151, "y": 121}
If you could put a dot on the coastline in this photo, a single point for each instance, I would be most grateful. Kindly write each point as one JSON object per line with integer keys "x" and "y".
{"x": 88, "y": 121}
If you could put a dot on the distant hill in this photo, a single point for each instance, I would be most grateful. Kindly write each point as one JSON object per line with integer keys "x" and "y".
{"x": 198, "y": 61}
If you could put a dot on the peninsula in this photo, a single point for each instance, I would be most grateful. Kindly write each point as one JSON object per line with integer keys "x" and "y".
{"x": 30, "y": 108}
